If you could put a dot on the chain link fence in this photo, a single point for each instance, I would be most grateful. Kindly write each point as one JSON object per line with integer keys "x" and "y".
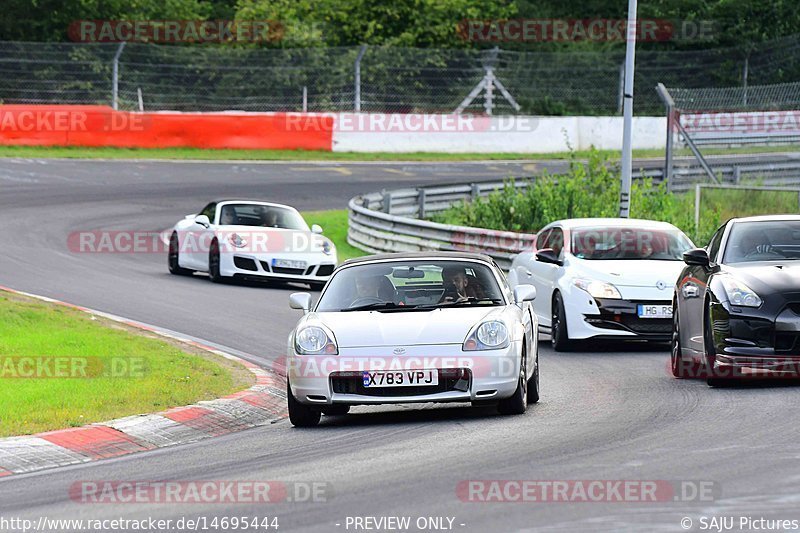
{"x": 374, "y": 79}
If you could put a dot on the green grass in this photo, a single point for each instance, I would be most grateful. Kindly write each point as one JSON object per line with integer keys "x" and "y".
{"x": 166, "y": 374}
{"x": 744, "y": 203}
{"x": 320, "y": 155}
{"x": 334, "y": 226}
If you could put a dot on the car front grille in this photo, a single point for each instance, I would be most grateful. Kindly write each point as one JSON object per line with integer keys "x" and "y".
{"x": 353, "y": 383}
{"x": 293, "y": 271}
{"x": 325, "y": 270}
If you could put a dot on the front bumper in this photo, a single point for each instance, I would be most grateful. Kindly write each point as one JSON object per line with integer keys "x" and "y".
{"x": 463, "y": 376}
{"x": 589, "y": 317}
{"x": 318, "y": 268}
{"x": 753, "y": 342}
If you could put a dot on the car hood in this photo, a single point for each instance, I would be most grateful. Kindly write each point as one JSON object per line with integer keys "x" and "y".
{"x": 372, "y": 328}
{"x": 633, "y": 273}
{"x": 767, "y": 277}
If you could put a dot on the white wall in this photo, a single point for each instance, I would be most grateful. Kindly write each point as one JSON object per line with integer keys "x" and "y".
{"x": 447, "y": 133}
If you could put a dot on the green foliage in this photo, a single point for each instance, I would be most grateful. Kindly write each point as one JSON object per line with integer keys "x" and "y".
{"x": 589, "y": 189}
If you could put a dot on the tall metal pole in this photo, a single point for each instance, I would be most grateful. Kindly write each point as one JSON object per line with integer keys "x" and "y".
{"x": 627, "y": 110}
{"x": 115, "y": 77}
{"x": 357, "y": 88}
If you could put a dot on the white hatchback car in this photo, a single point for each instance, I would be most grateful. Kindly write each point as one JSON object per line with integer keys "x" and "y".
{"x": 413, "y": 327}
{"x": 603, "y": 277}
{"x": 254, "y": 240}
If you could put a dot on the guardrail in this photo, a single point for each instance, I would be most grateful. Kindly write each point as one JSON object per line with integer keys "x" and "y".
{"x": 393, "y": 220}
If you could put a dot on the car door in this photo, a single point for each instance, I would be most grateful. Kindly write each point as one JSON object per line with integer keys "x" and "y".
{"x": 543, "y": 275}
{"x": 196, "y": 241}
{"x": 691, "y": 295}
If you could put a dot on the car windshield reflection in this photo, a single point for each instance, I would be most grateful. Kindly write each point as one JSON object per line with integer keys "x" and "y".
{"x": 629, "y": 244}
{"x": 763, "y": 241}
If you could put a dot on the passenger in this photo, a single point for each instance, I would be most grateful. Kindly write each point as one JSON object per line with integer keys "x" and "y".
{"x": 228, "y": 217}
{"x": 459, "y": 287}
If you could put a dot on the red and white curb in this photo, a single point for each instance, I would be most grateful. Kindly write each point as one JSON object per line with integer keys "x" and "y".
{"x": 261, "y": 404}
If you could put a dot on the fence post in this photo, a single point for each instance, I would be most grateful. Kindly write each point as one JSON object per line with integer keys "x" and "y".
{"x": 697, "y": 189}
{"x": 669, "y": 104}
{"x": 305, "y": 99}
{"x": 744, "y": 79}
{"x": 141, "y": 100}
{"x": 421, "y": 203}
{"x": 621, "y": 94}
{"x": 387, "y": 201}
{"x": 115, "y": 77}
{"x": 357, "y": 88}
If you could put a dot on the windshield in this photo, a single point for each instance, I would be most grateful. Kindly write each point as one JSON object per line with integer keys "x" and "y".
{"x": 629, "y": 244}
{"x": 265, "y": 216}
{"x": 410, "y": 285}
{"x": 763, "y": 241}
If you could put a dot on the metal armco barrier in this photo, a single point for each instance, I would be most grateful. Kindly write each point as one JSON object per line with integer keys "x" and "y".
{"x": 393, "y": 221}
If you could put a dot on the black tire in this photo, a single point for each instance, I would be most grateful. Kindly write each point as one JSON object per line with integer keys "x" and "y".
{"x": 517, "y": 403}
{"x": 213, "y": 263}
{"x": 533, "y": 383}
{"x": 336, "y": 409}
{"x": 559, "y": 337}
{"x": 301, "y": 416}
{"x": 173, "y": 257}
{"x": 680, "y": 368}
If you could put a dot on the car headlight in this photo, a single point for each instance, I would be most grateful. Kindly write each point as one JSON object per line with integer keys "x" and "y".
{"x": 598, "y": 289}
{"x": 237, "y": 240}
{"x": 315, "y": 340}
{"x": 490, "y": 335}
{"x": 739, "y": 293}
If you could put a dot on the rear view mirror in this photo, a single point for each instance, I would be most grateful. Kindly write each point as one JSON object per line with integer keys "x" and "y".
{"x": 524, "y": 293}
{"x": 202, "y": 220}
{"x": 696, "y": 257}
{"x": 316, "y": 228}
{"x": 548, "y": 255}
{"x": 300, "y": 300}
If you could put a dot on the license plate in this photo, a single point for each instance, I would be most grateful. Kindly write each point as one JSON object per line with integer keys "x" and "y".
{"x": 288, "y": 263}
{"x": 401, "y": 378}
{"x": 655, "y": 311}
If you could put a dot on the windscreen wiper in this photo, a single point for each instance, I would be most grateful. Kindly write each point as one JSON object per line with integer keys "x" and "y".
{"x": 383, "y": 307}
{"x": 471, "y": 301}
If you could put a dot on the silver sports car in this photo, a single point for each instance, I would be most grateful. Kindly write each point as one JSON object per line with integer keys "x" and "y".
{"x": 413, "y": 327}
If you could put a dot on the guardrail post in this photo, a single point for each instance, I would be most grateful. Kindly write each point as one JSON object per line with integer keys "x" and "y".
{"x": 475, "y": 191}
{"x": 737, "y": 174}
{"x": 387, "y": 201}
{"x": 421, "y": 203}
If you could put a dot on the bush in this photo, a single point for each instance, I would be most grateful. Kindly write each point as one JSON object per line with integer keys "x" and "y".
{"x": 588, "y": 189}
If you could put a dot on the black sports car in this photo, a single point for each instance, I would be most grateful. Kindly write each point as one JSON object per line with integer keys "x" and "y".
{"x": 737, "y": 303}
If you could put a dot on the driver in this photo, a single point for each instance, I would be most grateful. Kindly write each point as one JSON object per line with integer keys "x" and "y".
{"x": 227, "y": 218}
{"x": 367, "y": 287}
{"x": 754, "y": 243}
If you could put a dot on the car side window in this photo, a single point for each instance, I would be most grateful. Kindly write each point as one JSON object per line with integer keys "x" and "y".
{"x": 210, "y": 211}
{"x": 541, "y": 239}
{"x": 714, "y": 244}
{"x": 556, "y": 241}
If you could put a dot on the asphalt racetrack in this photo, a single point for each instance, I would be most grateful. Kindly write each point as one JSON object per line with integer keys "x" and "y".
{"x": 607, "y": 413}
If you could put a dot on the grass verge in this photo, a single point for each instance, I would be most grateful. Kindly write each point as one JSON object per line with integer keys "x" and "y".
{"x": 334, "y": 224}
{"x": 319, "y": 155}
{"x": 109, "y": 370}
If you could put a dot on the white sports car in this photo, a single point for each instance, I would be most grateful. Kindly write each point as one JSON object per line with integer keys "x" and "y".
{"x": 253, "y": 240}
{"x": 610, "y": 278}
{"x": 413, "y": 327}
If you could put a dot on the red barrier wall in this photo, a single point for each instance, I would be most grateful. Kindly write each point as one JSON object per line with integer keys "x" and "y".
{"x": 63, "y": 125}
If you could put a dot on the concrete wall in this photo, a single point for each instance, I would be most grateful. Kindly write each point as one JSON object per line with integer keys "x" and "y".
{"x": 410, "y": 133}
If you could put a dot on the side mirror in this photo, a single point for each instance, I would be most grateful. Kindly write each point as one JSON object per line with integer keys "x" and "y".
{"x": 202, "y": 220}
{"x": 524, "y": 293}
{"x": 300, "y": 300}
{"x": 316, "y": 228}
{"x": 696, "y": 257}
{"x": 548, "y": 255}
